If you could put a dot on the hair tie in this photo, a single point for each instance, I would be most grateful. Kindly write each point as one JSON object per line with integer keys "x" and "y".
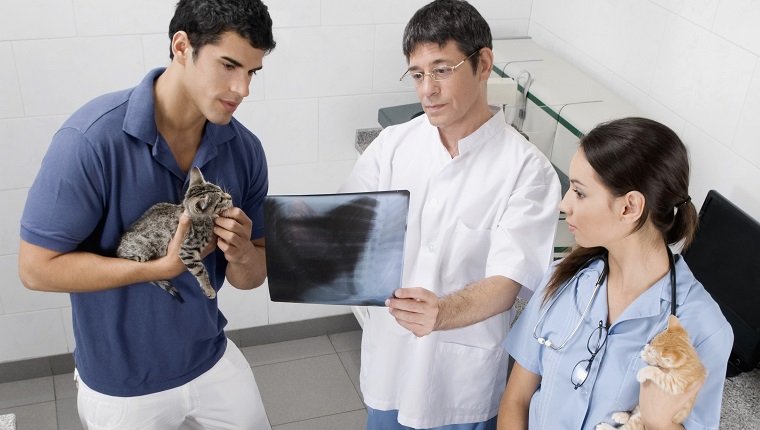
{"x": 680, "y": 205}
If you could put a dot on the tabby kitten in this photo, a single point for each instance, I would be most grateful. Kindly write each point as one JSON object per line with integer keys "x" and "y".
{"x": 149, "y": 237}
{"x": 673, "y": 365}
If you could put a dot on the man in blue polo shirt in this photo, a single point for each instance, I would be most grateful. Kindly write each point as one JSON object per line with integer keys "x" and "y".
{"x": 145, "y": 360}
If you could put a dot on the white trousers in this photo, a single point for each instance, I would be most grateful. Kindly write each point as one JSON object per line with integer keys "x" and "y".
{"x": 225, "y": 398}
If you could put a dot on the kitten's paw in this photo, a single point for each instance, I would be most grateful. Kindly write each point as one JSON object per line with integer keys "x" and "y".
{"x": 621, "y": 417}
{"x": 210, "y": 293}
{"x": 648, "y": 372}
{"x": 604, "y": 426}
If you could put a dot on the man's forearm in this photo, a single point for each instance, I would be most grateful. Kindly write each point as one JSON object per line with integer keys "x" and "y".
{"x": 44, "y": 270}
{"x": 476, "y": 302}
{"x": 250, "y": 273}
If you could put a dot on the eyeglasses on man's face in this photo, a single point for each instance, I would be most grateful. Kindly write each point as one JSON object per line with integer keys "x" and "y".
{"x": 595, "y": 343}
{"x": 439, "y": 73}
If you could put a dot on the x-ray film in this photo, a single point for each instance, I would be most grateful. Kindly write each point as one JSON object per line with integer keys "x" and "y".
{"x": 345, "y": 249}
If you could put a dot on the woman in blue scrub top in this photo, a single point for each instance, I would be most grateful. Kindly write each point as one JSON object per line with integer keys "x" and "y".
{"x": 577, "y": 344}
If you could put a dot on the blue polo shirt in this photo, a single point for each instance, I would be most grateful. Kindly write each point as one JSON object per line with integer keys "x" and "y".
{"x": 105, "y": 167}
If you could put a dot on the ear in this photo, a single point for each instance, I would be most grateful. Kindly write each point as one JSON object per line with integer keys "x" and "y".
{"x": 485, "y": 63}
{"x": 181, "y": 47}
{"x": 201, "y": 204}
{"x": 196, "y": 177}
{"x": 633, "y": 203}
{"x": 673, "y": 321}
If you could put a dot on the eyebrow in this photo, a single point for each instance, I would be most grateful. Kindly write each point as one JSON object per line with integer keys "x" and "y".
{"x": 238, "y": 64}
{"x": 576, "y": 182}
{"x": 434, "y": 63}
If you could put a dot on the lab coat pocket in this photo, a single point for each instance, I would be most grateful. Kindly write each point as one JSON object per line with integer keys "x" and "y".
{"x": 464, "y": 257}
{"x": 468, "y": 379}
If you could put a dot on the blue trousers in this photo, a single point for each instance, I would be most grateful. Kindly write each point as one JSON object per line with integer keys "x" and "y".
{"x": 388, "y": 420}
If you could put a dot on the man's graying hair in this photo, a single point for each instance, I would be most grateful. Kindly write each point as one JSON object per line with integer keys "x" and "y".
{"x": 205, "y": 21}
{"x": 448, "y": 20}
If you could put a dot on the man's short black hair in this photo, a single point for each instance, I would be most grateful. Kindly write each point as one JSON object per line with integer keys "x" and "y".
{"x": 442, "y": 21}
{"x": 205, "y": 21}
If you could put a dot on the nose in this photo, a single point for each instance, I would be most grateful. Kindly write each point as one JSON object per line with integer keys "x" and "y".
{"x": 564, "y": 205}
{"x": 241, "y": 85}
{"x": 428, "y": 86}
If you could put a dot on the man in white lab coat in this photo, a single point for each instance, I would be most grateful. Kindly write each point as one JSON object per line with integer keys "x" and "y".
{"x": 483, "y": 212}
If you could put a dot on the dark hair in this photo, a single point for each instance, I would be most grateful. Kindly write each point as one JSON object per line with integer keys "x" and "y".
{"x": 205, "y": 21}
{"x": 638, "y": 154}
{"x": 445, "y": 20}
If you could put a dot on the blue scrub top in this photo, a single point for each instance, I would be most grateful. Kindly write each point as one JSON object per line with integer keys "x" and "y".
{"x": 611, "y": 385}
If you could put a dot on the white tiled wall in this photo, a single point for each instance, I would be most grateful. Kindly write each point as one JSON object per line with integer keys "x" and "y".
{"x": 336, "y": 63}
{"x": 692, "y": 64}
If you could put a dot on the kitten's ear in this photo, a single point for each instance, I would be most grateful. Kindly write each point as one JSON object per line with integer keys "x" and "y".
{"x": 200, "y": 205}
{"x": 196, "y": 177}
{"x": 673, "y": 321}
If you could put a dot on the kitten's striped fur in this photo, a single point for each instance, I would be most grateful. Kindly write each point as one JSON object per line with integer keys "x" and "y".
{"x": 149, "y": 237}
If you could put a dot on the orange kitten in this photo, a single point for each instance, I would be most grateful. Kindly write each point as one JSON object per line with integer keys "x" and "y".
{"x": 674, "y": 366}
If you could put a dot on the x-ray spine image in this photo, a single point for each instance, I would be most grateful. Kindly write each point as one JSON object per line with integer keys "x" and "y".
{"x": 336, "y": 249}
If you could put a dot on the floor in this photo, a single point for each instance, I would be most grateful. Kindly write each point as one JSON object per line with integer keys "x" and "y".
{"x": 306, "y": 384}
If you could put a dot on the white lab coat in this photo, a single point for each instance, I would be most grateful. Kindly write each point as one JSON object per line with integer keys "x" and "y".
{"x": 492, "y": 210}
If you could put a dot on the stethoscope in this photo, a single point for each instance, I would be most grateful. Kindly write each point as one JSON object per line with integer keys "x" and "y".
{"x": 545, "y": 341}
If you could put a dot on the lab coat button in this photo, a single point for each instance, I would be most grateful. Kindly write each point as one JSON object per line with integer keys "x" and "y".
{"x": 431, "y": 247}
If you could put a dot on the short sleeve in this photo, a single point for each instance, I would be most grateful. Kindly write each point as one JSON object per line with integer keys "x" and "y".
{"x": 713, "y": 352}
{"x": 520, "y": 343}
{"x": 66, "y": 200}
{"x": 522, "y": 244}
{"x": 253, "y": 204}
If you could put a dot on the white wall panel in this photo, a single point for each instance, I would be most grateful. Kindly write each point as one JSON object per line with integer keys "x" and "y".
{"x": 36, "y": 19}
{"x": 339, "y": 117}
{"x": 747, "y": 139}
{"x": 31, "y": 334}
{"x": 155, "y": 50}
{"x": 111, "y": 17}
{"x": 702, "y": 77}
{"x": 320, "y": 61}
{"x": 13, "y": 206}
{"x": 736, "y": 20}
{"x": 315, "y": 178}
{"x": 10, "y": 92}
{"x": 294, "y": 13}
{"x": 288, "y": 129}
{"x": 59, "y": 75}
{"x": 26, "y": 140}
{"x": 714, "y": 166}
{"x": 700, "y": 12}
